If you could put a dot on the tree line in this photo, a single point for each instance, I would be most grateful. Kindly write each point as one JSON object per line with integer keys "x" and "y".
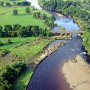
{"x": 9, "y": 4}
{"x": 69, "y": 8}
{"x": 23, "y": 31}
{"x": 48, "y": 20}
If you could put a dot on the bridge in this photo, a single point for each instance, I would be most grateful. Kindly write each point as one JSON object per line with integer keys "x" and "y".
{"x": 62, "y": 33}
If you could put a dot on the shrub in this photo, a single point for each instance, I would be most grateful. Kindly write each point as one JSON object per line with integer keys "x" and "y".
{"x": 9, "y": 76}
{"x": 3, "y": 52}
{"x": 1, "y": 43}
{"x": 27, "y": 10}
{"x": 8, "y": 4}
{"x": 9, "y": 41}
{"x": 15, "y": 12}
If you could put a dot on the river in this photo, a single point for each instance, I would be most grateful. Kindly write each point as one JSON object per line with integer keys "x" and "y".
{"x": 48, "y": 75}
{"x": 62, "y": 21}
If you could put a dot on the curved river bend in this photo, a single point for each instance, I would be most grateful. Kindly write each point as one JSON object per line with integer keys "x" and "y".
{"x": 48, "y": 75}
{"x": 62, "y": 21}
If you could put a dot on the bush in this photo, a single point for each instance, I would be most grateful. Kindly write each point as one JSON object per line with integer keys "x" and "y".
{"x": 1, "y": 43}
{"x": 27, "y": 10}
{"x": 9, "y": 41}
{"x": 8, "y": 4}
{"x": 15, "y": 12}
{"x": 9, "y": 76}
{"x": 3, "y": 52}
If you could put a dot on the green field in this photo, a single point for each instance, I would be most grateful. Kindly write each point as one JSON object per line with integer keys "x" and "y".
{"x": 7, "y": 17}
{"x": 22, "y": 18}
{"x": 24, "y": 48}
{"x": 17, "y": 41}
{"x": 11, "y": 1}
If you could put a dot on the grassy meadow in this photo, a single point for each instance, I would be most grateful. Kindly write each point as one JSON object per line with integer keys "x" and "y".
{"x": 22, "y": 18}
{"x": 23, "y": 48}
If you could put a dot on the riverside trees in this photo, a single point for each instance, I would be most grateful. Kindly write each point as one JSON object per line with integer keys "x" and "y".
{"x": 9, "y": 76}
{"x": 70, "y": 8}
{"x": 78, "y": 10}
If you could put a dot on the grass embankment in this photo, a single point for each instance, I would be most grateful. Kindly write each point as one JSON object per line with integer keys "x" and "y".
{"x": 22, "y": 82}
{"x": 22, "y": 50}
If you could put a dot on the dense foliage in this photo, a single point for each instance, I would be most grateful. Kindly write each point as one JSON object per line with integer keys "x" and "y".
{"x": 76, "y": 9}
{"x": 15, "y": 12}
{"x": 23, "y": 31}
{"x": 24, "y": 3}
{"x": 48, "y": 20}
{"x": 9, "y": 4}
{"x": 11, "y": 73}
{"x": 86, "y": 40}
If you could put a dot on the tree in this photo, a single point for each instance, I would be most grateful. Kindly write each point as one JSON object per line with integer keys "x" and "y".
{"x": 9, "y": 41}
{"x": 1, "y": 3}
{"x": 8, "y": 28}
{"x": 14, "y": 4}
{"x": 1, "y": 43}
{"x": 15, "y": 12}
{"x": 52, "y": 18}
{"x": 16, "y": 27}
{"x": 8, "y": 4}
{"x": 24, "y": 3}
{"x": 0, "y": 31}
{"x": 22, "y": 31}
{"x": 27, "y": 10}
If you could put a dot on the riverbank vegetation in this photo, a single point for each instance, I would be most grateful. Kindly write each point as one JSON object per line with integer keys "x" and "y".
{"x": 20, "y": 50}
{"x": 9, "y": 76}
{"x": 79, "y": 10}
{"x": 24, "y": 32}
